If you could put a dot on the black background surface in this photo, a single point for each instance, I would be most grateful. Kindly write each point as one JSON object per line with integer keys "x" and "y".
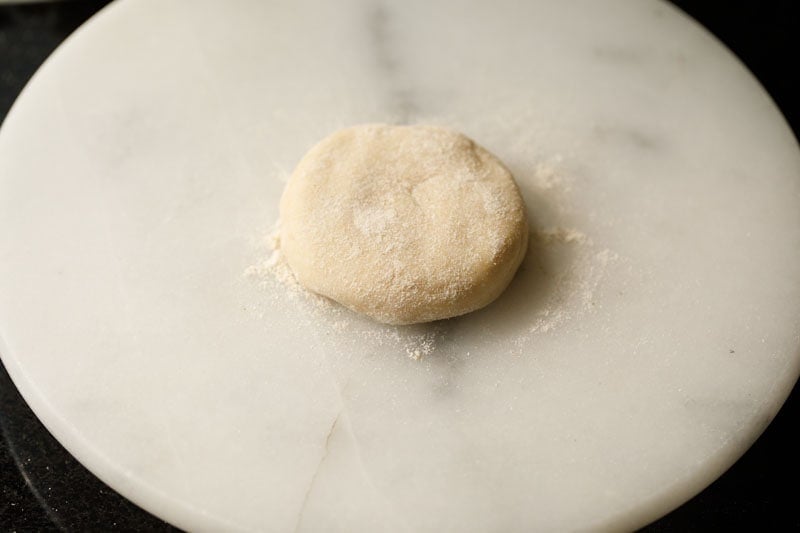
{"x": 43, "y": 488}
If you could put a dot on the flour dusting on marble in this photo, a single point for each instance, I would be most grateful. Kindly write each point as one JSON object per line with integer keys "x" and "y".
{"x": 571, "y": 291}
{"x": 559, "y": 235}
{"x": 574, "y": 291}
{"x": 273, "y": 272}
{"x": 274, "y": 267}
{"x": 546, "y": 175}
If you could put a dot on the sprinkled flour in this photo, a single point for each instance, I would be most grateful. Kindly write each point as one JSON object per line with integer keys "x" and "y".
{"x": 405, "y": 224}
{"x": 571, "y": 294}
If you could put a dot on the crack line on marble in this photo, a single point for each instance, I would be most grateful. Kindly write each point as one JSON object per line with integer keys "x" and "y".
{"x": 399, "y": 517}
{"x": 325, "y": 451}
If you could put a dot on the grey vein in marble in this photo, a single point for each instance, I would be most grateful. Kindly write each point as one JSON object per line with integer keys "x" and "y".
{"x": 385, "y": 47}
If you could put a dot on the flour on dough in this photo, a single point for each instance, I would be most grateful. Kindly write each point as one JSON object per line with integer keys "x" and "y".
{"x": 405, "y": 224}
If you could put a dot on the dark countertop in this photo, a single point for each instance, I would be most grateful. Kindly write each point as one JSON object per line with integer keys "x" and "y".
{"x": 43, "y": 488}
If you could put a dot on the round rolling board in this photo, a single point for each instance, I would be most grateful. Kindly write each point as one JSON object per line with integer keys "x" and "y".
{"x": 650, "y": 336}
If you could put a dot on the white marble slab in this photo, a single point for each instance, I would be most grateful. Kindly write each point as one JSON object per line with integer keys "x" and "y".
{"x": 651, "y": 336}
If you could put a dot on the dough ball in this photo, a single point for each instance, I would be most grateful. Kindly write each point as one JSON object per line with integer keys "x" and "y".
{"x": 405, "y": 224}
